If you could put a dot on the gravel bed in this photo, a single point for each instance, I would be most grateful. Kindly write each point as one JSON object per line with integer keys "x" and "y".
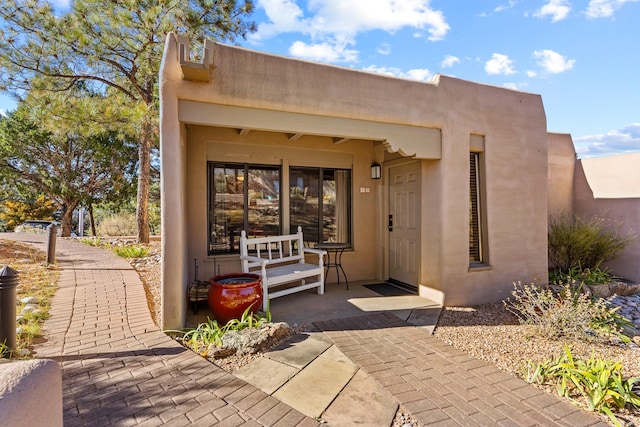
{"x": 488, "y": 332}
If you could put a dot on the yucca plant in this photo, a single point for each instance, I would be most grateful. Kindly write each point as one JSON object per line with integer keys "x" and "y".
{"x": 210, "y": 332}
{"x": 204, "y": 335}
{"x": 597, "y": 383}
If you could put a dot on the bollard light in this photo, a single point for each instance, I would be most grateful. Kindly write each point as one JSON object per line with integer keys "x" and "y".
{"x": 8, "y": 284}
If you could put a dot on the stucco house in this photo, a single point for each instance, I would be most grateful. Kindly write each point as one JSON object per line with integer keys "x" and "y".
{"x": 252, "y": 141}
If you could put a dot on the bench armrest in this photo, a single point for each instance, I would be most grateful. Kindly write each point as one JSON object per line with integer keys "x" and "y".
{"x": 250, "y": 258}
{"x": 314, "y": 251}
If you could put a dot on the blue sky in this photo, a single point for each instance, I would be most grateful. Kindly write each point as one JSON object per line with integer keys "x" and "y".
{"x": 581, "y": 56}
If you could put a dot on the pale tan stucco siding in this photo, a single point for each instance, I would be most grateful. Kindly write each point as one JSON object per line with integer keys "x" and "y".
{"x": 562, "y": 163}
{"x": 609, "y": 187}
{"x": 433, "y": 122}
{"x": 514, "y": 128}
{"x": 173, "y": 201}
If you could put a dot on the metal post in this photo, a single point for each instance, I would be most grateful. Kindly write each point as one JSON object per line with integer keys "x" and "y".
{"x": 81, "y": 222}
{"x": 51, "y": 247}
{"x": 8, "y": 283}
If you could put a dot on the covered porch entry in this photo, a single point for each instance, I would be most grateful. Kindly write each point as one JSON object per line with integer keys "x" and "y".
{"x": 273, "y": 156}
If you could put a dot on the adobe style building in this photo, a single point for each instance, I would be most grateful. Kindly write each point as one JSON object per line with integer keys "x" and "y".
{"x": 256, "y": 142}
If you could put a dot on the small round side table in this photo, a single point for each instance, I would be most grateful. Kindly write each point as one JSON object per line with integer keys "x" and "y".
{"x": 335, "y": 248}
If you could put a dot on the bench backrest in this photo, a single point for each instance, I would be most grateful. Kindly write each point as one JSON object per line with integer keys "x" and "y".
{"x": 274, "y": 249}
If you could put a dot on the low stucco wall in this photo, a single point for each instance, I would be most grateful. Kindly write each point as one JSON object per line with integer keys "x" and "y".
{"x": 603, "y": 188}
{"x": 31, "y": 393}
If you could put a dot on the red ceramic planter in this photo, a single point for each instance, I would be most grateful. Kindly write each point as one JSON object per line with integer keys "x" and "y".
{"x": 231, "y": 294}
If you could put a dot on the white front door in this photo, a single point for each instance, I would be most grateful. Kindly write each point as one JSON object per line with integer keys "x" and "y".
{"x": 404, "y": 223}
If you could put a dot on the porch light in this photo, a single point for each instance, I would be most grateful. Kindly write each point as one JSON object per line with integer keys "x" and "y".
{"x": 376, "y": 171}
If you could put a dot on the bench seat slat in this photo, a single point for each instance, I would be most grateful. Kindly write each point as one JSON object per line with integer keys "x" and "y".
{"x": 291, "y": 272}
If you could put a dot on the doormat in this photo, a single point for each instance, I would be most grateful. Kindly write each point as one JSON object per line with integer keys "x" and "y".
{"x": 388, "y": 290}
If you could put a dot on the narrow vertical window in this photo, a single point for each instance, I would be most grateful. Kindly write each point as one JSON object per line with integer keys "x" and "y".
{"x": 475, "y": 210}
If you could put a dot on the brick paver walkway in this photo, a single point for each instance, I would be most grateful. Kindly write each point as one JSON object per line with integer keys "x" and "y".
{"x": 442, "y": 386}
{"x": 119, "y": 369}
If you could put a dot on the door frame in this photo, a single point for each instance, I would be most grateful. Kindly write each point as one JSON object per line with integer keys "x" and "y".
{"x": 385, "y": 213}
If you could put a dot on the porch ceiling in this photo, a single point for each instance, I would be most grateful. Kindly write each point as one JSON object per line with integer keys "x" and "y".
{"x": 411, "y": 141}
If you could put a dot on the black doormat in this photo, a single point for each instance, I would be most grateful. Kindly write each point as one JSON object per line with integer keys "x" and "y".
{"x": 388, "y": 290}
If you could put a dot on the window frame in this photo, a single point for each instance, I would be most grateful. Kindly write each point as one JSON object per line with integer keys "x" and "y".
{"x": 246, "y": 204}
{"x": 284, "y": 174}
{"x": 478, "y": 245}
{"x": 321, "y": 180}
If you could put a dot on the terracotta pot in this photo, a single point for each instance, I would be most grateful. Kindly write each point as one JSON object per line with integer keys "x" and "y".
{"x": 231, "y": 294}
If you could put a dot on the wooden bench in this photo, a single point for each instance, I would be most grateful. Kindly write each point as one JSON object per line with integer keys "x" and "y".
{"x": 280, "y": 260}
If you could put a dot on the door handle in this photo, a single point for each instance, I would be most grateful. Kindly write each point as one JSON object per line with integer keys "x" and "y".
{"x": 390, "y": 222}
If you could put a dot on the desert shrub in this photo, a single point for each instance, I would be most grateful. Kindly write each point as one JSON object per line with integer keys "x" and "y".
{"x": 565, "y": 311}
{"x": 577, "y": 242}
{"x": 120, "y": 224}
{"x": 596, "y": 383}
{"x": 585, "y": 277}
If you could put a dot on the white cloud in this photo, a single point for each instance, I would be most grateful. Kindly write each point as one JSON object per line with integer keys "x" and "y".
{"x": 331, "y": 21}
{"x": 557, "y": 9}
{"x": 532, "y": 74}
{"x": 325, "y": 52}
{"x": 618, "y": 141}
{"x": 449, "y": 61}
{"x": 420, "y": 74}
{"x": 384, "y": 49}
{"x": 500, "y": 8}
{"x": 499, "y": 64}
{"x": 284, "y": 16}
{"x": 604, "y": 8}
{"x": 513, "y": 86}
{"x": 3, "y": 113}
{"x": 552, "y": 62}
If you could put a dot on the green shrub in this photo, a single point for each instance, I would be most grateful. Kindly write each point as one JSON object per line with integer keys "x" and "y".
{"x": 576, "y": 242}
{"x": 595, "y": 382}
{"x": 131, "y": 251}
{"x": 565, "y": 311}
{"x": 92, "y": 241}
{"x": 585, "y": 277}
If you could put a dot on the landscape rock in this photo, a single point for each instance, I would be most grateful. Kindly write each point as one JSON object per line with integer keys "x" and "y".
{"x": 254, "y": 340}
{"x": 623, "y": 289}
{"x": 30, "y": 300}
{"x": 29, "y": 307}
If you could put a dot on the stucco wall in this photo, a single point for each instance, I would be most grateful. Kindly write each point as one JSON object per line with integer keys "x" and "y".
{"x": 562, "y": 163}
{"x": 433, "y": 120}
{"x": 514, "y": 128}
{"x": 31, "y": 393}
{"x": 598, "y": 192}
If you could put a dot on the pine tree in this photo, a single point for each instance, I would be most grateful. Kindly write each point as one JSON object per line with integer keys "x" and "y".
{"x": 115, "y": 48}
